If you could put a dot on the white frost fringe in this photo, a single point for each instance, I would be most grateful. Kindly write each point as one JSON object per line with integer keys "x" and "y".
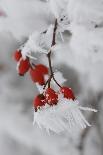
{"x": 66, "y": 115}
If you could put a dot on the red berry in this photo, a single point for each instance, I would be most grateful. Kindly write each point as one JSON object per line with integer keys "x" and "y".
{"x": 68, "y": 93}
{"x": 23, "y": 66}
{"x": 39, "y": 101}
{"x": 42, "y": 69}
{"x": 17, "y": 55}
{"x": 51, "y": 96}
{"x": 36, "y": 76}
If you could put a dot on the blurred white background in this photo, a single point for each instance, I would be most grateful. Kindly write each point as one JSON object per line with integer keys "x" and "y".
{"x": 81, "y": 61}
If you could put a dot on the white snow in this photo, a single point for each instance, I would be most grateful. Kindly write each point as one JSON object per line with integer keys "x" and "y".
{"x": 82, "y": 58}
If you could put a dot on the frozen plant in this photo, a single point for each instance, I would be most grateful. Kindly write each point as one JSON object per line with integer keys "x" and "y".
{"x": 56, "y": 108}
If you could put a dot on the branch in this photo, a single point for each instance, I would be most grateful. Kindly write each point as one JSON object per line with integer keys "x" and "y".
{"x": 53, "y": 43}
{"x": 49, "y": 58}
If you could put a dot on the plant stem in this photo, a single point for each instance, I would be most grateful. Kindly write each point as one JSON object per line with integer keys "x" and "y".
{"x": 53, "y": 43}
{"x": 56, "y": 81}
{"x": 49, "y": 58}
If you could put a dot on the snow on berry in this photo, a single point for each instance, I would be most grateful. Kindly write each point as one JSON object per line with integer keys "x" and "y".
{"x": 52, "y": 117}
{"x": 23, "y": 66}
{"x": 39, "y": 101}
{"x": 17, "y": 55}
{"x": 67, "y": 92}
{"x": 51, "y": 96}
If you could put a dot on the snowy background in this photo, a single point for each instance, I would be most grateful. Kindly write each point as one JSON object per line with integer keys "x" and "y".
{"x": 80, "y": 58}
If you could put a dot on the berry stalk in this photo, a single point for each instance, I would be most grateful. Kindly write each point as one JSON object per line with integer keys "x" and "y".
{"x": 49, "y": 58}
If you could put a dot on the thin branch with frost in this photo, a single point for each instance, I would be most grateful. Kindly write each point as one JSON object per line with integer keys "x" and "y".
{"x": 56, "y": 110}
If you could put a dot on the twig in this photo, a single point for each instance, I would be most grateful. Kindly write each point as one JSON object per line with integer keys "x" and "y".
{"x": 56, "y": 81}
{"x": 47, "y": 81}
{"x": 49, "y": 58}
{"x": 53, "y": 43}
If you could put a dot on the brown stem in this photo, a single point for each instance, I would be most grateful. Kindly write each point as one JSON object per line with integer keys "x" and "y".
{"x": 48, "y": 81}
{"x": 32, "y": 65}
{"x": 56, "y": 82}
{"x": 54, "y": 33}
{"x": 50, "y": 65}
{"x": 53, "y": 43}
{"x": 49, "y": 58}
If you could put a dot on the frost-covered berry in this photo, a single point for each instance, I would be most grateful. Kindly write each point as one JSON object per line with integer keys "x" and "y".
{"x": 68, "y": 93}
{"x": 42, "y": 69}
{"x": 39, "y": 101}
{"x": 17, "y": 55}
{"x": 37, "y": 76}
{"x": 37, "y": 73}
{"x": 51, "y": 96}
{"x": 23, "y": 66}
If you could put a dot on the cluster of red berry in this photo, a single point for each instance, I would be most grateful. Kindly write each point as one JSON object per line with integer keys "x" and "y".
{"x": 37, "y": 73}
{"x": 50, "y": 97}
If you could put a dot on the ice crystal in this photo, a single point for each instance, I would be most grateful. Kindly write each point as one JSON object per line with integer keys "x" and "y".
{"x": 65, "y": 116}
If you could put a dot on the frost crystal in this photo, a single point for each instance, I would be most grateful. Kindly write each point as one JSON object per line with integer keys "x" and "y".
{"x": 57, "y": 6}
{"x": 63, "y": 22}
{"x": 45, "y": 40}
{"x": 38, "y": 42}
{"x": 32, "y": 45}
{"x": 65, "y": 116}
